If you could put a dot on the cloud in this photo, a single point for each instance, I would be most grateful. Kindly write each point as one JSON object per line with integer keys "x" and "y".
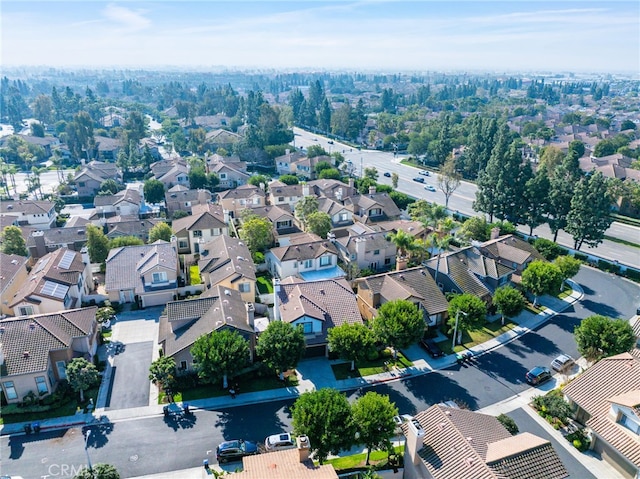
{"x": 128, "y": 19}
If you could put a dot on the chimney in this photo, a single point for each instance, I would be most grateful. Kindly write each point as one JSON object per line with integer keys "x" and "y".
{"x": 40, "y": 248}
{"x": 251, "y": 313}
{"x": 202, "y": 197}
{"x": 351, "y": 183}
{"x": 331, "y": 236}
{"x": 305, "y": 189}
{"x": 227, "y": 216}
{"x": 415, "y": 440}
{"x": 401, "y": 263}
{"x": 84, "y": 252}
{"x": 287, "y": 151}
{"x": 276, "y": 305}
{"x": 303, "y": 448}
{"x": 372, "y": 190}
{"x": 174, "y": 242}
{"x": 495, "y": 233}
{"x": 361, "y": 244}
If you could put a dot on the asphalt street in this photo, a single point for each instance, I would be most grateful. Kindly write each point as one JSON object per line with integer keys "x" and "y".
{"x": 156, "y": 444}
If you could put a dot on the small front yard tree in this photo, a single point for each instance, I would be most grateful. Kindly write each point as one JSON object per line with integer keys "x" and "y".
{"x": 97, "y": 244}
{"x": 319, "y": 223}
{"x": 541, "y": 278}
{"x": 162, "y": 373}
{"x": 474, "y": 309}
{"x": 281, "y": 346}
{"x": 160, "y": 231}
{"x": 104, "y": 314}
{"x": 153, "y": 191}
{"x": 324, "y": 416}
{"x": 351, "y": 341}
{"x": 600, "y": 337}
{"x": 373, "y": 418}
{"x": 82, "y": 375}
{"x": 509, "y": 301}
{"x": 305, "y": 207}
{"x": 398, "y": 324}
{"x": 220, "y": 355}
{"x": 256, "y": 232}
{"x": 13, "y": 241}
{"x": 98, "y": 471}
{"x": 568, "y": 266}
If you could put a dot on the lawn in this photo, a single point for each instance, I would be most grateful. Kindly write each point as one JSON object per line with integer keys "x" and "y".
{"x": 479, "y": 336}
{"x": 358, "y": 460}
{"x": 194, "y": 275}
{"x": 247, "y": 383}
{"x": 265, "y": 286}
{"x": 367, "y": 368}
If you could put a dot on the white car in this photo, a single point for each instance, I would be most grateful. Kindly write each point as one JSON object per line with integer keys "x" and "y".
{"x": 278, "y": 442}
{"x": 562, "y": 363}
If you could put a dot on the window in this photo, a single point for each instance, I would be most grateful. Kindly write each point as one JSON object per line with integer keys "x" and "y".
{"x": 353, "y": 256}
{"x": 197, "y": 234}
{"x": 26, "y": 310}
{"x": 41, "y": 384}
{"x": 244, "y": 287}
{"x": 325, "y": 260}
{"x": 62, "y": 369}
{"x": 187, "y": 203}
{"x": 308, "y": 263}
{"x": 375, "y": 212}
{"x": 344, "y": 216}
{"x": 81, "y": 184}
{"x": 160, "y": 277}
{"x": 376, "y": 252}
{"x": 630, "y": 424}
{"x": 183, "y": 365}
{"x": 307, "y": 328}
{"x": 387, "y": 261}
{"x": 280, "y": 199}
{"x": 10, "y": 390}
{"x": 223, "y": 176}
{"x": 183, "y": 244}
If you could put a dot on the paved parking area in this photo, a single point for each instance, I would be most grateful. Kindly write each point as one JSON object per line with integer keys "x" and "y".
{"x": 130, "y": 376}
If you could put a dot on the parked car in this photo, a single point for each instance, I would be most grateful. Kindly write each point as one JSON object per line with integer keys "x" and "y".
{"x": 424, "y": 173}
{"x": 431, "y": 347}
{"x": 400, "y": 420}
{"x": 429, "y": 188}
{"x": 387, "y": 174}
{"x": 538, "y": 375}
{"x": 562, "y": 362}
{"x": 235, "y": 450}
{"x": 419, "y": 179}
{"x": 278, "y": 442}
{"x": 330, "y": 142}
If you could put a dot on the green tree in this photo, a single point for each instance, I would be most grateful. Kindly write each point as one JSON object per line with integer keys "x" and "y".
{"x": 509, "y": 301}
{"x": 121, "y": 241}
{"x": 394, "y": 180}
{"x": 220, "y": 355}
{"x": 97, "y": 244}
{"x": 373, "y": 417}
{"x": 109, "y": 187}
{"x": 197, "y": 178}
{"x": 541, "y": 278}
{"x": 589, "y": 216}
{"x": 289, "y": 179}
{"x": 160, "y": 231}
{"x": 475, "y": 228}
{"x": 627, "y": 125}
{"x": 98, "y": 471}
{"x": 449, "y": 179}
{"x": 304, "y": 207}
{"x": 13, "y": 242}
{"x": 105, "y": 314}
{"x": 474, "y": 309}
{"x": 399, "y": 324}
{"x": 319, "y": 223}
{"x": 316, "y": 150}
{"x": 257, "y": 233}
{"x": 162, "y": 373}
{"x": 256, "y": 180}
{"x": 281, "y": 346}
{"x": 547, "y": 248}
{"x": 401, "y": 200}
{"x": 330, "y": 174}
{"x": 561, "y": 189}
{"x": 488, "y": 179}
{"x": 324, "y": 416}
{"x": 600, "y": 337}
{"x": 371, "y": 172}
{"x": 568, "y": 266}
{"x": 536, "y": 195}
{"x": 82, "y": 375}
{"x": 403, "y": 242}
{"x": 352, "y": 342}
{"x": 322, "y": 165}
{"x": 508, "y": 423}
{"x": 551, "y": 157}
{"x": 153, "y": 191}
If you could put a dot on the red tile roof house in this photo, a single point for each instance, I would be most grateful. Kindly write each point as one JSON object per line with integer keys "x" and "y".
{"x": 606, "y": 399}
{"x": 450, "y": 443}
{"x": 316, "y": 305}
{"x": 37, "y": 349}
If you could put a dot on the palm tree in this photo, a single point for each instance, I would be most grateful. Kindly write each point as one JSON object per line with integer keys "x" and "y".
{"x": 4, "y": 170}
{"x": 12, "y": 174}
{"x": 440, "y": 243}
{"x": 402, "y": 241}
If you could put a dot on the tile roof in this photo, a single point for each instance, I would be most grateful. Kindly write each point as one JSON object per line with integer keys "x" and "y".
{"x": 511, "y": 249}
{"x": 274, "y": 213}
{"x": 360, "y": 204}
{"x": 373, "y": 241}
{"x": 283, "y": 465}
{"x": 414, "y": 228}
{"x": 225, "y": 257}
{"x": 132, "y": 228}
{"x": 26, "y": 207}
{"x": 66, "y": 235}
{"x": 277, "y": 188}
{"x": 242, "y": 192}
{"x": 10, "y": 264}
{"x": 525, "y": 456}
{"x": 607, "y": 381}
{"x": 202, "y": 217}
{"x": 456, "y": 266}
{"x": 304, "y": 251}
{"x": 38, "y": 335}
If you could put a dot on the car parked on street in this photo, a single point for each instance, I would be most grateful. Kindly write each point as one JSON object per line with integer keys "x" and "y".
{"x": 431, "y": 347}
{"x": 538, "y": 375}
{"x": 235, "y": 450}
{"x": 419, "y": 179}
{"x": 278, "y": 442}
{"x": 429, "y": 188}
{"x": 562, "y": 363}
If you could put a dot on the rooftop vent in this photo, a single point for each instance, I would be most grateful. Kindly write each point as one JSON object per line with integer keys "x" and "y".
{"x": 227, "y": 292}
{"x": 25, "y": 354}
{"x": 32, "y": 326}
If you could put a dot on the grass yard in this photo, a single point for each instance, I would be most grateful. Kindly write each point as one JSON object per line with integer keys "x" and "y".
{"x": 367, "y": 368}
{"x": 265, "y": 286}
{"x": 68, "y": 408}
{"x": 358, "y": 460}
{"x": 194, "y": 275}
{"x": 479, "y": 336}
{"x": 248, "y": 383}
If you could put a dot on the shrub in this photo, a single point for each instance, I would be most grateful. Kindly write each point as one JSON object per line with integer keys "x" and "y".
{"x": 606, "y": 266}
{"x": 632, "y": 274}
{"x": 580, "y": 256}
{"x": 258, "y": 257}
{"x": 547, "y": 248}
{"x": 509, "y": 424}
{"x": 553, "y": 408}
{"x": 579, "y": 440}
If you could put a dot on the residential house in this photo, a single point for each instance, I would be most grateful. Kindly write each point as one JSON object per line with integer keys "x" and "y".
{"x": 447, "y": 442}
{"x": 47, "y": 143}
{"x": 35, "y": 214}
{"x": 180, "y": 198}
{"x": 317, "y": 306}
{"x": 305, "y": 167}
{"x": 58, "y": 281}
{"x": 333, "y": 189}
{"x": 123, "y": 203}
{"x": 39, "y": 243}
{"x": 284, "y": 162}
{"x": 162, "y": 167}
{"x": 178, "y": 174}
{"x": 36, "y": 350}
{"x": 241, "y": 198}
{"x": 413, "y": 228}
{"x": 285, "y": 464}
{"x": 317, "y": 259}
{"x": 230, "y": 176}
{"x": 226, "y": 261}
{"x": 183, "y": 322}
{"x": 93, "y": 174}
{"x": 147, "y": 274}
{"x": 361, "y": 246}
{"x": 606, "y": 399}
{"x": 233, "y": 161}
{"x": 281, "y": 194}
{"x": 139, "y": 228}
{"x": 414, "y": 284}
{"x": 220, "y": 138}
{"x": 208, "y": 122}
{"x": 283, "y": 220}
{"x": 372, "y": 207}
{"x": 13, "y": 274}
{"x": 510, "y": 251}
{"x": 107, "y": 149}
{"x": 339, "y": 214}
{"x": 204, "y": 223}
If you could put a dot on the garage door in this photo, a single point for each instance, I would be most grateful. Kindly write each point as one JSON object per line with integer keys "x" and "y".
{"x": 315, "y": 351}
{"x": 157, "y": 299}
{"x": 616, "y": 460}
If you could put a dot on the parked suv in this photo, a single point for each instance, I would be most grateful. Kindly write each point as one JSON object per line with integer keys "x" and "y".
{"x": 538, "y": 375}
{"x": 235, "y": 450}
{"x": 562, "y": 362}
{"x": 278, "y": 442}
{"x": 431, "y": 347}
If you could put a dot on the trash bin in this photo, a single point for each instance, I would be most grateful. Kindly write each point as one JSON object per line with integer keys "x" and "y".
{"x": 185, "y": 407}
{"x": 27, "y": 428}
{"x": 36, "y": 427}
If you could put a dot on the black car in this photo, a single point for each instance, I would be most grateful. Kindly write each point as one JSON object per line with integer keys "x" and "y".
{"x": 538, "y": 375}
{"x": 419, "y": 179}
{"x": 235, "y": 450}
{"x": 431, "y": 347}
{"x": 387, "y": 174}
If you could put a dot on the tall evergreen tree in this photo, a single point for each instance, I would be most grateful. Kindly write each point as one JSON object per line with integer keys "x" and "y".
{"x": 486, "y": 195}
{"x": 537, "y": 199}
{"x": 561, "y": 188}
{"x": 589, "y": 216}
{"x": 510, "y": 196}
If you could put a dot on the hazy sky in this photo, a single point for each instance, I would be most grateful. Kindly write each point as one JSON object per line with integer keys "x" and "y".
{"x": 601, "y": 36}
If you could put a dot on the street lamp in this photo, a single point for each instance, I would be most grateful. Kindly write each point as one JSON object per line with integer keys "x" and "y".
{"x": 455, "y": 328}
{"x": 86, "y": 449}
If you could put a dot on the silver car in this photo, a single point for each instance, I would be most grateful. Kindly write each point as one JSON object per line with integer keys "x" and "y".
{"x": 278, "y": 442}
{"x": 562, "y": 363}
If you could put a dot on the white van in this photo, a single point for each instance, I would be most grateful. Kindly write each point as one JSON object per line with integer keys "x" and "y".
{"x": 278, "y": 442}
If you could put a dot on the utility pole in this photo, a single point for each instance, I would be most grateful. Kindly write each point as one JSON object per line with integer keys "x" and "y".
{"x": 455, "y": 328}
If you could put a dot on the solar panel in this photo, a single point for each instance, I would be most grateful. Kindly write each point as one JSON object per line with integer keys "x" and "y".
{"x": 67, "y": 259}
{"x": 54, "y": 289}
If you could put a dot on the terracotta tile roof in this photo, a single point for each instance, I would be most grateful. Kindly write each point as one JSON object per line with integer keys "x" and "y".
{"x": 27, "y": 341}
{"x": 595, "y": 389}
{"x": 525, "y": 456}
{"x": 283, "y": 465}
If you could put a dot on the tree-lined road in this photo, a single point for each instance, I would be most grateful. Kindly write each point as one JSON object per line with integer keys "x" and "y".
{"x": 462, "y": 199}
